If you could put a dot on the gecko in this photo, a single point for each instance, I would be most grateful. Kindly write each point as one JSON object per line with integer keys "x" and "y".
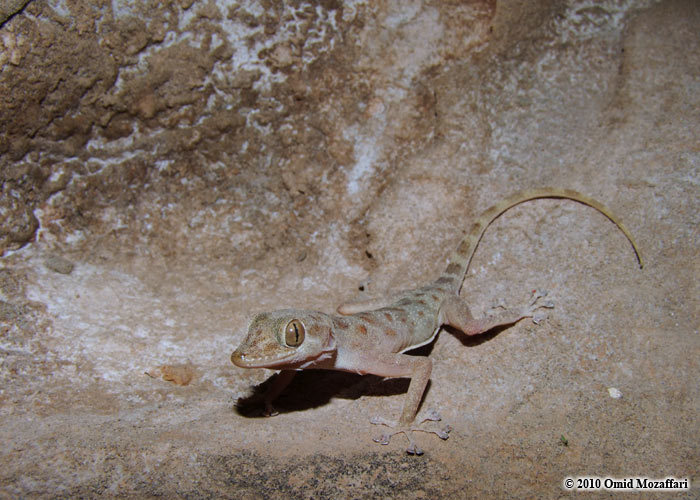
{"x": 368, "y": 337}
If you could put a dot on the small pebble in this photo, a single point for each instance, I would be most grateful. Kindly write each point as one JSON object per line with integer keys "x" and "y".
{"x": 614, "y": 393}
{"x": 58, "y": 264}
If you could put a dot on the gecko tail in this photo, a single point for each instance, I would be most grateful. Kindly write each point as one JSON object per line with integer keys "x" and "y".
{"x": 461, "y": 258}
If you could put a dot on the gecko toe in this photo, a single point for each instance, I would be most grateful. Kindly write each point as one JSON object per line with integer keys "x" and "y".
{"x": 443, "y": 433}
{"x": 414, "y": 449}
{"x": 534, "y": 305}
{"x": 432, "y": 415}
{"x": 270, "y": 411}
{"x": 500, "y": 304}
{"x": 382, "y": 421}
{"x": 537, "y": 295}
{"x": 383, "y": 439}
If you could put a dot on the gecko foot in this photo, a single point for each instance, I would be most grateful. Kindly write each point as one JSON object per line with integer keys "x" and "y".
{"x": 533, "y": 306}
{"x": 499, "y": 305}
{"x": 531, "y": 310}
{"x": 413, "y": 448}
{"x": 256, "y": 405}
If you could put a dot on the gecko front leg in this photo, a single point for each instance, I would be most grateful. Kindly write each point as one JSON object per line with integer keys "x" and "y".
{"x": 277, "y": 385}
{"x": 418, "y": 369}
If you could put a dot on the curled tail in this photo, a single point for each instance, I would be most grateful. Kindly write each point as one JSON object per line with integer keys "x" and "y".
{"x": 460, "y": 258}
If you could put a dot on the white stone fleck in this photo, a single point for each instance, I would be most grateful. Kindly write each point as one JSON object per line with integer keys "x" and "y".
{"x": 614, "y": 393}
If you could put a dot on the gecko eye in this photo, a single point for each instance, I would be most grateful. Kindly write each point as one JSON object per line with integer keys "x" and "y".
{"x": 294, "y": 333}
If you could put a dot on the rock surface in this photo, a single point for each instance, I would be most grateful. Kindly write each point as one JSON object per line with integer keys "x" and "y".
{"x": 183, "y": 165}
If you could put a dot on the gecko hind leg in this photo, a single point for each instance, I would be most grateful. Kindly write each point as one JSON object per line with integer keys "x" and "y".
{"x": 455, "y": 312}
{"x": 413, "y": 448}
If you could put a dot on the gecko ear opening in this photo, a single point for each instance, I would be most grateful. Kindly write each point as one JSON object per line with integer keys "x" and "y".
{"x": 294, "y": 333}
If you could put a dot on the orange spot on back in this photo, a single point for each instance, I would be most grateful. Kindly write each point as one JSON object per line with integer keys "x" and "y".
{"x": 368, "y": 318}
{"x": 362, "y": 329}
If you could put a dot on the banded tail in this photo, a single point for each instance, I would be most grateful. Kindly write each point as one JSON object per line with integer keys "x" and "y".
{"x": 462, "y": 257}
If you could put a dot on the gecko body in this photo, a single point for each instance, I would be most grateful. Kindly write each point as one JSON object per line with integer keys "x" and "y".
{"x": 367, "y": 338}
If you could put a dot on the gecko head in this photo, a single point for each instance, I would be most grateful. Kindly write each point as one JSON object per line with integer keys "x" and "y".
{"x": 289, "y": 338}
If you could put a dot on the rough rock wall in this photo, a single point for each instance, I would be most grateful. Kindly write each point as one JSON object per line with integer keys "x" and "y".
{"x": 118, "y": 114}
{"x": 169, "y": 168}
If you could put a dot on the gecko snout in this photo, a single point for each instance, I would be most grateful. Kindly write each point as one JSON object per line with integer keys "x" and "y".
{"x": 237, "y": 358}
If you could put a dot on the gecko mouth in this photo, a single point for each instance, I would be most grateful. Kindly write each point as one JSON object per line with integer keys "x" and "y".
{"x": 282, "y": 360}
{"x": 242, "y": 360}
